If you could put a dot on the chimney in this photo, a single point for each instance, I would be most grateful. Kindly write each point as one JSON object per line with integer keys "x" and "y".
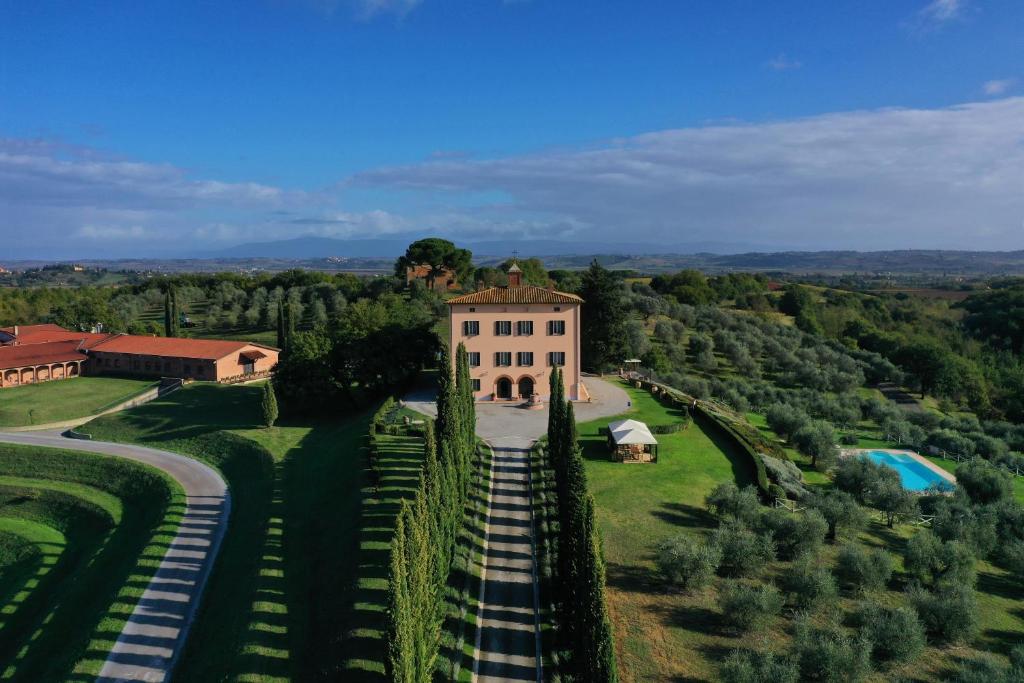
{"x": 515, "y": 276}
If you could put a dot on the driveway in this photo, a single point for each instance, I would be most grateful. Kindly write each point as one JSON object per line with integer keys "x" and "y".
{"x": 508, "y": 621}
{"x": 154, "y": 635}
{"x": 515, "y": 426}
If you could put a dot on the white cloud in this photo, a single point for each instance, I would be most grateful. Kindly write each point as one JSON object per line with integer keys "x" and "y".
{"x": 998, "y": 86}
{"x": 367, "y": 9}
{"x": 63, "y": 196}
{"x": 887, "y": 178}
{"x": 110, "y": 232}
{"x": 937, "y": 14}
{"x": 783, "y": 63}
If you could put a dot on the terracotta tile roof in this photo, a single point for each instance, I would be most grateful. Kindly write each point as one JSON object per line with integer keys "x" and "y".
{"x": 525, "y": 294}
{"x": 172, "y": 347}
{"x": 40, "y": 334}
{"x": 23, "y": 355}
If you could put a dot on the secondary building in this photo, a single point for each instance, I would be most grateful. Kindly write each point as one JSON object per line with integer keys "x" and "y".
{"x": 211, "y": 360}
{"x": 444, "y": 280}
{"x": 40, "y": 353}
{"x": 515, "y": 336}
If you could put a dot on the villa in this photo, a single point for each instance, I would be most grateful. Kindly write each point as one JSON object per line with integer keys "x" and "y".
{"x": 40, "y": 353}
{"x": 515, "y": 336}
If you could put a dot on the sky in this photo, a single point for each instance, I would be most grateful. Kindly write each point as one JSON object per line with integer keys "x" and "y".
{"x": 163, "y": 128}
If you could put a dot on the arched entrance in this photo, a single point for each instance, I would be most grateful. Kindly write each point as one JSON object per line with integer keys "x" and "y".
{"x": 503, "y": 388}
{"x": 525, "y": 386}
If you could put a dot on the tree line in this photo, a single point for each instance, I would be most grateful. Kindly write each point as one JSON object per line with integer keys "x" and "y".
{"x": 584, "y": 626}
{"x": 427, "y": 528}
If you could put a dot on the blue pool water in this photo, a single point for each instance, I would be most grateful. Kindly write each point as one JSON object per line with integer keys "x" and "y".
{"x": 913, "y": 475}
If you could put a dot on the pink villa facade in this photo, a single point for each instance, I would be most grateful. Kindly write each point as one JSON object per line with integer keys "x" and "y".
{"x": 516, "y": 335}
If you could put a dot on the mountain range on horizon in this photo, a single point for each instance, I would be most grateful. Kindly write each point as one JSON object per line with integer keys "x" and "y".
{"x": 312, "y": 246}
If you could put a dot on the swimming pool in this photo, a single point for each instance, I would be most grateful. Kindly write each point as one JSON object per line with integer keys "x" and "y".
{"x": 914, "y": 475}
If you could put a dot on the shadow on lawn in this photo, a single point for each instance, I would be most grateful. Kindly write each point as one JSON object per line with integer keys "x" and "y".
{"x": 681, "y": 514}
{"x": 194, "y": 411}
{"x": 361, "y": 645}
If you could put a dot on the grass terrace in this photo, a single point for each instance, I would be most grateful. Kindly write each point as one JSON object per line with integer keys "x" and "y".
{"x": 65, "y": 399}
{"x": 80, "y": 536}
{"x": 279, "y": 602}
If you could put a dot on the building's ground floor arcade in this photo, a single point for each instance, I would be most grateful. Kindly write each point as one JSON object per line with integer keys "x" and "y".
{"x": 32, "y": 374}
{"x": 507, "y": 388}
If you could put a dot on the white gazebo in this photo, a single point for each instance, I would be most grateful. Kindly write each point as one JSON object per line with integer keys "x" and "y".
{"x": 632, "y": 441}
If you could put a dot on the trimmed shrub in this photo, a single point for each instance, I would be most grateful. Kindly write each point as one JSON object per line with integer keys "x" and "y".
{"x": 809, "y": 586}
{"x": 948, "y": 615}
{"x": 895, "y": 633}
{"x": 830, "y": 655}
{"x": 748, "y": 607}
{"x": 794, "y": 534}
{"x": 860, "y": 569}
{"x": 686, "y": 562}
{"x": 756, "y": 667}
{"x": 786, "y": 475}
{"x": 743, "y": 551}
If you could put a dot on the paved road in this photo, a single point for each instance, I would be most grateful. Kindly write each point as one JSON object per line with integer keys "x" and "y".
{"x": 508, "y": 647}
{"x": 154, "y": 635}
{"x": 508, "y": 627}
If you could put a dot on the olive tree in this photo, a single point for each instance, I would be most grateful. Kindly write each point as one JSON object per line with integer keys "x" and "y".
{"x": 687, "y": 562}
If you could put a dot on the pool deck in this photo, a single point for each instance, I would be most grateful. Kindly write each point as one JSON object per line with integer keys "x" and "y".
{"x": 916, "y": 456}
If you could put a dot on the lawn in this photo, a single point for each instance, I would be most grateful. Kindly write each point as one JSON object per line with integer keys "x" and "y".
{"x": 98, "y": 527}
{"x": 279, "y": 602}
{"x": 664, "y": 635}
{"x": 65, "y": 399}
{"x": 659, "y": 636}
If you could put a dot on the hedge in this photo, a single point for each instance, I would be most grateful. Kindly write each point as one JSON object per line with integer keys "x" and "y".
{"x": 723, "y": 426}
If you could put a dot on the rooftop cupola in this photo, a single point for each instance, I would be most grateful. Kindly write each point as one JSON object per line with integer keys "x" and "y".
{"x": 515, "y": 276}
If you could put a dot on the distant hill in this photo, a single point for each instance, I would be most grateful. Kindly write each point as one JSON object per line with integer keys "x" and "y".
{"x": 341, "y": 255}
{"x": 319, "y": 247}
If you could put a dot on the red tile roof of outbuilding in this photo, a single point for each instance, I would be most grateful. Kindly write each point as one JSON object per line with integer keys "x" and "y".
{"x": 170, "y": 347}
{"x": 42, "y": 334}
{"x": 26, "y": 355}
{"x": 524, "y": 294}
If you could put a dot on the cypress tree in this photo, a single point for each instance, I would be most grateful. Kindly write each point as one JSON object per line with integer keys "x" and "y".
{"x": 570, "y": 440}
{"x": 426, "y": 603}
{"x": 289, "y": 320}
{"x": 598, "y": 646}
{"x": 282, "y": 339}
{"x": 450, "y": 444}
{"x": 168, "y": 314}
{"x": 434, "y": 479}
{"x": 269, "y": 405}
{"x": 401, "y": 647}
{"x": 465, "y": 386}
{"x": 175, "y": 316}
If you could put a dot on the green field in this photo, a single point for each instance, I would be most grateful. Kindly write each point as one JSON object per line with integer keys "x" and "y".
{"x": 666, "y": 635}
{"x": 80, "y": 536}
{"x": 280, "y": 599}
{"x": 66, "y": 399}
{"x": 638, "y": 506}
